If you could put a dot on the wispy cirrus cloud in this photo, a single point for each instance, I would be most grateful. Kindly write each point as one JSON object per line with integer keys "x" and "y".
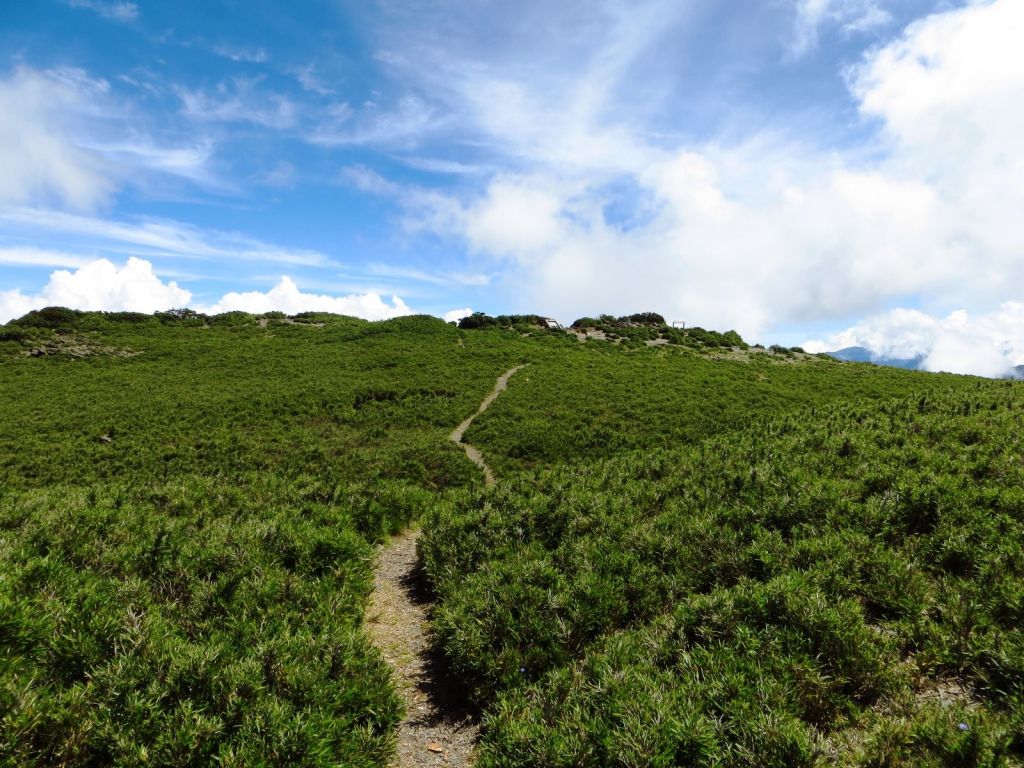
{"x": 29, "y": 256}
{"x": 241, "y": 53}
{"x": 239, "y": 100}
{"x": 406, "y": 123}
{"x": 851, "y": 16}
{"x": 67, "y": 139}
{"x": 116, "y": 11}
{"x": 152, "y": 237}
{"x": 310, "y": 80}
{"x": 422, "y": 276}
{"x": 41, "y": 151}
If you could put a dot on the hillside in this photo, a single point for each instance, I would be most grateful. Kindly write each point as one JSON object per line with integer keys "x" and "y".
{"x": 844, "y": 586}
{"x": 189, "y": 508}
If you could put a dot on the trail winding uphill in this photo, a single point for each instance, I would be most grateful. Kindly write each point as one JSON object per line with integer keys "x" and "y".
{"x": 456, "y": 436}
{"x": 438, "y": 729}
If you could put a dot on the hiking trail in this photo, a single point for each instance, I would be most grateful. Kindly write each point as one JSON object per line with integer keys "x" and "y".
{"x": 438, "y": 728}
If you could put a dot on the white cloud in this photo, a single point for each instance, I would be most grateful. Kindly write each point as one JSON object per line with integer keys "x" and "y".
{"x": 367, "y": 180}
{"x": 950, "y": 97}
{"x": 39, "y": 153}
{"x": 126, "y": 157}
{"x": 310, "y": 81}
{"x": 402, "y": 125}
{"x": 282, "y": 175}
{"x": 516, "y": 217}
{"x": 756, "y": 234}
{"x": 454, "y": 315}
{"x": 702, "y": 252}
{"x": 986, "y": 344}
{"x": 390, "y": 271}
{"x": 849, "y": 15}
{"x": 448, "y": 167}
{"x": 241, "y": 54}
{"x": 65, "y": 139}
{"x": 99, "y": 285}
{"x": 239, "y": 101}
{"x": 39, "y": 257}
{"x": 116, "y": 11}
{"x": 286, "y": 297}
{"x": 154, "y": 237}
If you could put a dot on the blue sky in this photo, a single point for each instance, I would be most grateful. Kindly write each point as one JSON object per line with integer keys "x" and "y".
{"x": 835, "y": 171}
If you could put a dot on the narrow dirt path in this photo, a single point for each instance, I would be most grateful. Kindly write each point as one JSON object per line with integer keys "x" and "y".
{"x": 438, "y": 729}
{"x": 456, "y": 436}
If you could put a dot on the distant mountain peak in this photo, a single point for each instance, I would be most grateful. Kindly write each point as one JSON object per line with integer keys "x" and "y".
{"x": 865, "y": 355}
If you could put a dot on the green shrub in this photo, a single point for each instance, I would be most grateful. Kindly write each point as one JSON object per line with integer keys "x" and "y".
{"x": 232, "y": 319}
{"x": 799, "y": 582}
{"x": 134, "y": 635}
{"x": 49, "y": 317}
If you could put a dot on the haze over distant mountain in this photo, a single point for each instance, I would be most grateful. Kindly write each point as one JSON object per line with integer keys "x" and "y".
{"x": 864, "y": 355}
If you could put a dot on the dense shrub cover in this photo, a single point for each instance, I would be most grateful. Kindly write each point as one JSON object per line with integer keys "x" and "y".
{"x": 189, "y": 506}
{"x": 479, "y": 320}
{"x": 598, "y": 399}
{"x": 186, "y": 624}
{"x": 844, "y": 586}
{"x": 186, "y": 533}
{"x": 651, "y": 327}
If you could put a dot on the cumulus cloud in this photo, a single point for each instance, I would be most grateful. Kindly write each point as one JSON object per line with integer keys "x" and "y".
{"x": 805, "y": 249}
{"x": 286, "y": 297}
{"x": 135, "y": 287}
{"x": 986, "y": 345}
{"x": 99, "y": 285}
{"x": 764, "y": 232}
{"x": 453, "y": 316}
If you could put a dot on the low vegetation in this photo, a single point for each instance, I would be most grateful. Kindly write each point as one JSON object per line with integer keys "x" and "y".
{"x": 823, "y": 567}
{"x": 844, "y": 586}
{"x": 186, "y": 532}
{"x": 651, "y": 327}
{"x": 600, "y": 399}
{"x": 188, "y": 623}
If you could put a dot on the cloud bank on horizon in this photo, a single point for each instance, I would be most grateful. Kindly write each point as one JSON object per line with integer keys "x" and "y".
{"x": 101, "y": 285}
{"x": 844, "y": 171}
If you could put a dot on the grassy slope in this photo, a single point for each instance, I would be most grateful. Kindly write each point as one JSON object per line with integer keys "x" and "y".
{"x": 192, "y": 588}
{"x": 842, "y": 588}
{"x": 598, "y": 399}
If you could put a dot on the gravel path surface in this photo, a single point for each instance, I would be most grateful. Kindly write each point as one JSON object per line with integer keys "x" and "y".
{"x": 439, "y": 728}
{"x": 456, "y": 436}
